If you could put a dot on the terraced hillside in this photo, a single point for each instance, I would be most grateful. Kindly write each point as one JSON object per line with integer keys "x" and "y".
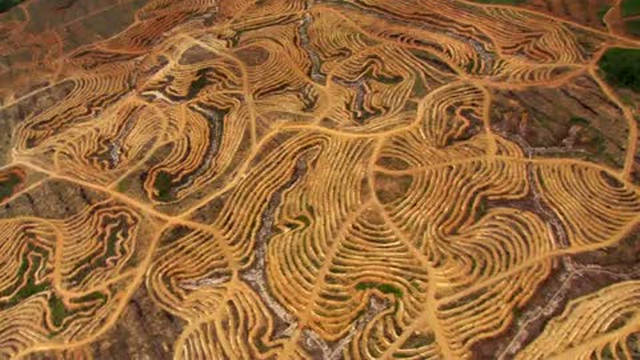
{"x": 319, "y": 179}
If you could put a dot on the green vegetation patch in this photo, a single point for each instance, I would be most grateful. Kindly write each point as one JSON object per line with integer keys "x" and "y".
{"x": 58, "y": 310}
{"x": 5, "y": 5}
{"x": 95, "y": 296}
{"x": 163, "y": 185}
{"x": 382, "y": 287}
{"x": 633, "y": 27}
{"x": 576, "y": 120}
{"x": 30, "y": 289}
{"x": 8, "y": 186}
{"x": 123, "y": 185}
{"x": 198, "y": 85}
{"x": 622, "y": 67}
{"x": 94, "y": 260}
{"x": 304, "y": 220}
{"x": 481, "y": 210}
{"x": 630, "y": 7}
{"x": 301, "y": 222}
{"x": 602, "y": 12}
{"x": 111, "y": 244}
{"x": 419, "y": 89}
{"x": 32, "y": 262}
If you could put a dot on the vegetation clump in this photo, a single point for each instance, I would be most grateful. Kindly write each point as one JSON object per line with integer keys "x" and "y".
{"x": 630, "y": 7}
{"x": 5, "y": 5}
{"x": 384, "y": 288}
{"x": 633, "y": 27}
{"x": 622, "y": 67}
{"x": 162, "y": 185}
{"x": 28, "y": 269}
{"x": 602, "y": 12}
{"x": 7, "y": 186}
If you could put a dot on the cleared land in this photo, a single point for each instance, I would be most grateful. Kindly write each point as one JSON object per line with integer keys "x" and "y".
{"x": 288, "y": 179}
